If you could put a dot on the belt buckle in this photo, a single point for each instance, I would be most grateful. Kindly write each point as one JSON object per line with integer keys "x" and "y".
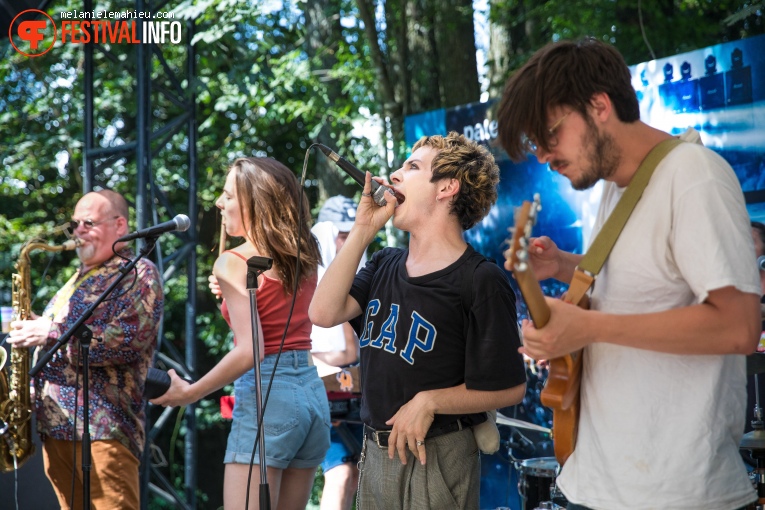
{"x": 376, "y": 437}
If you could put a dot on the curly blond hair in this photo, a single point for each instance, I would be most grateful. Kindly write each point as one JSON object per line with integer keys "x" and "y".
{"x": 473, "y": 166}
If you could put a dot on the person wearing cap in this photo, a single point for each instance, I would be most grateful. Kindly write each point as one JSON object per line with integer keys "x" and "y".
{"x": 437, "y": 329}
{"x": 332, "y": 348}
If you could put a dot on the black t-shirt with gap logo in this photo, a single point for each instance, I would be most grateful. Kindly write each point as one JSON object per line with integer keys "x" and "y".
{"x": 412, "y": 333}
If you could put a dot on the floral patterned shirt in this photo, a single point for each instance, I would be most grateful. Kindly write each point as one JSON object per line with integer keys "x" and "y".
{"x": 124, "y": 327}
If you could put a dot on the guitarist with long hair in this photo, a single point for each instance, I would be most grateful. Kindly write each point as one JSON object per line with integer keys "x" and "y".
{"x": 674, "y": 309}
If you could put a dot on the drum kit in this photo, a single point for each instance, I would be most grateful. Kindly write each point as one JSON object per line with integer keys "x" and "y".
{"x": 537, "y": 488}
{"x": 754, "y": 442}
{"x": 536, "y": 476}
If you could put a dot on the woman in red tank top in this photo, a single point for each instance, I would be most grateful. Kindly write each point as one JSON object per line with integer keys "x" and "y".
{"x": 260, "y": 203}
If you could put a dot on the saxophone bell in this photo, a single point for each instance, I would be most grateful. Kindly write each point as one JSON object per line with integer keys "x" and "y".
{"x": 16, "y": 445}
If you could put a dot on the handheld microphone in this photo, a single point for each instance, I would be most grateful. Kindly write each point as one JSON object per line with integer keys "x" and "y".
{"x": 378, "y": 190}
{"x": 761, "y": 262}
{"x": 180, "y": 223}
{"x": 158, "y": 382}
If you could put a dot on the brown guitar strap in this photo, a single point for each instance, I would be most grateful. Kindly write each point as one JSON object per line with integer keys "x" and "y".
{"x": 592, "y": 262}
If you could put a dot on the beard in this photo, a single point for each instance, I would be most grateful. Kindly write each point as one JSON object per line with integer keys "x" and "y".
{"x": 604, "y": 156}
{"x": 86, "y": 252}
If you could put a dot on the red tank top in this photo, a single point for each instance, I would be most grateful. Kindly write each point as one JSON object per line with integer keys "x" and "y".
{"x": 273, "y": 309}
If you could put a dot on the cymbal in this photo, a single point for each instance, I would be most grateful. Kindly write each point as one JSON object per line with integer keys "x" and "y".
{"x": 755, "y": 363}
{"x": 754, "y": 440}
{"x": 512, "y": 422}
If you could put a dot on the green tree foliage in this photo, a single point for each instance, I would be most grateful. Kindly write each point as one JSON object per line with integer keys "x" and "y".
{"x": 642, "y": 30}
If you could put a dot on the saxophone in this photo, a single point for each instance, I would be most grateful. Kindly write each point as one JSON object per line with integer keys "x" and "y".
{"x": 15, "y": 404}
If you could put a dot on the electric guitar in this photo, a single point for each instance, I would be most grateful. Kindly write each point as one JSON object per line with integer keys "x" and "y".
{"x": 561, "y": 392}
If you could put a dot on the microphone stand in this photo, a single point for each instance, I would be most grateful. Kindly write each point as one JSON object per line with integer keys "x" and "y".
{"x": 83, "y": 333}
{"x": 255, "y": 267}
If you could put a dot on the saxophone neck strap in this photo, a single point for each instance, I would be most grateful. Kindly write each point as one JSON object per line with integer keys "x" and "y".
{"x": 65, "y": 293}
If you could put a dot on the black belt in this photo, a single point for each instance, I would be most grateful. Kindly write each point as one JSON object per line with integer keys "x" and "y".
{"x": 380, "y": 437}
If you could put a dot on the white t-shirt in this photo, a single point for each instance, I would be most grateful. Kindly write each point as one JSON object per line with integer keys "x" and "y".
{"x": 328, "y": 339}
{"x": 661, "y": 431}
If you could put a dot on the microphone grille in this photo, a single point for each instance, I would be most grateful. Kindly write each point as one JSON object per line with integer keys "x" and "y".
{"x": 183, "y": 222}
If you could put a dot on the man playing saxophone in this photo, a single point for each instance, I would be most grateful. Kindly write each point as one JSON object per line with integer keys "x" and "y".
{"x": 124, "y": 330}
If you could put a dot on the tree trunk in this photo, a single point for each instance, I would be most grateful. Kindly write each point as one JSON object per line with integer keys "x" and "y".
{"x": 426, "y": 93}
{"x": 323, "y": 32}
{"x": 498, "y": 58}
{"x": 455, "y": 36}
{"x": 392, "y": 108}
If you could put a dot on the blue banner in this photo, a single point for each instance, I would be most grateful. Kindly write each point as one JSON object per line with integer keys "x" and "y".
{"x": 716, "y": 90}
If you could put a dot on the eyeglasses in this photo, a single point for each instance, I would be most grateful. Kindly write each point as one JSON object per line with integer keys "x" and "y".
{"x": 88, "y": 224}
{"x": 531, "y": 146}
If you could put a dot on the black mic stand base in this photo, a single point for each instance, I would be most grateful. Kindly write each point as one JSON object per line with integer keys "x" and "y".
{"x": 265, "y": 495}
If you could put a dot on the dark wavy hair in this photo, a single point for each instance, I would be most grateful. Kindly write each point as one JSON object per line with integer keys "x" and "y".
{"x": 565, "y": 73}
{"x": 269, "y": 197}
{"x": 475, "y": 169}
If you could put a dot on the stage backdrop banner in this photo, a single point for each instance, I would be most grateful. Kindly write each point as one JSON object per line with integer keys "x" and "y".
{"x": 716, "y": 90}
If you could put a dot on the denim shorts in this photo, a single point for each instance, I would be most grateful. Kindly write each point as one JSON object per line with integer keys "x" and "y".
{"x": 296, "y": 417}
{"x": 339, "y": 451}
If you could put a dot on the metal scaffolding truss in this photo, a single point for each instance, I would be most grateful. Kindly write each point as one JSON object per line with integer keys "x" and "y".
{"x": 151, "y": 136}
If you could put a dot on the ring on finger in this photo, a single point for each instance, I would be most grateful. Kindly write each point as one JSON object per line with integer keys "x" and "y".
{"x": 366, "y": 194}
{"x": 420, "y": 443}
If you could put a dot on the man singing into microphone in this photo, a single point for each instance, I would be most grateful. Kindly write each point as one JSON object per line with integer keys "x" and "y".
{"x": 124, "y": 338}
{"x": 437, "y": 329}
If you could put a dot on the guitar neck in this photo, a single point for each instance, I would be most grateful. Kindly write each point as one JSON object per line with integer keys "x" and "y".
{"x": 518, "y": 256}
{"x": 534, "y": 297}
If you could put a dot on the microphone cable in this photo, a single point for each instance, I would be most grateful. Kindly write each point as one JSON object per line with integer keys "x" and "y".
{"x": 298, "y": 278}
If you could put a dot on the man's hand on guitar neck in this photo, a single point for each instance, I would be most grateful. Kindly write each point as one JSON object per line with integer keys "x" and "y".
{"x": 549, "y": 261}
{"x": 568, "y": 330}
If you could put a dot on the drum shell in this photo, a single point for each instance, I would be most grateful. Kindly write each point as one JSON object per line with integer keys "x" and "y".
{"x": 536, "y": 478}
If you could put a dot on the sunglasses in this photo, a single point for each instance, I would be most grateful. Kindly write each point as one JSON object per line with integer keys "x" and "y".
{"x": 88, "y": 224}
